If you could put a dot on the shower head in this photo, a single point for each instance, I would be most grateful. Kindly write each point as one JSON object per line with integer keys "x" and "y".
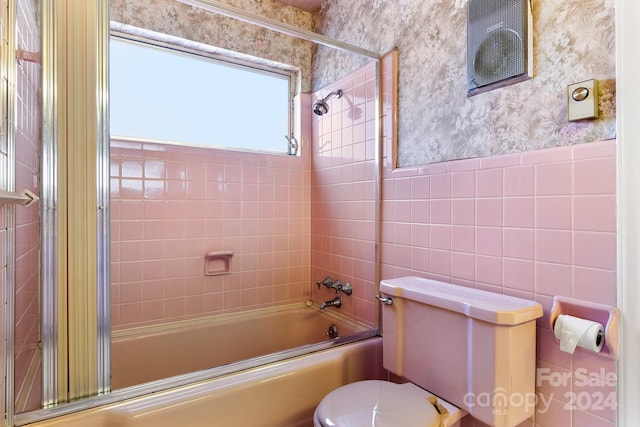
{"x": 320, "y": 107}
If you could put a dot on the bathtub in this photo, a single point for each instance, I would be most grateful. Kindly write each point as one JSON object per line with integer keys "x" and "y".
{"x": 148, "y": 354}
{"x": 279, "y": 394}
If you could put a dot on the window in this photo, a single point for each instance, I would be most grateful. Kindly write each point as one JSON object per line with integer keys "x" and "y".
{"x": 169, "y": 95}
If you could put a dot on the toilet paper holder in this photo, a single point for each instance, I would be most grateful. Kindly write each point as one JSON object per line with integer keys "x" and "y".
{"x": 604, "y": 314}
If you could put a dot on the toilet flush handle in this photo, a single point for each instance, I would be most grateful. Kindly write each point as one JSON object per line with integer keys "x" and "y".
{"x": 384, "y": 300}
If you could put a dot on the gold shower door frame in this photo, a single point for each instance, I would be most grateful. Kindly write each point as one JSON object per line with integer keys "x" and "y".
{"x": 75, "y": 201}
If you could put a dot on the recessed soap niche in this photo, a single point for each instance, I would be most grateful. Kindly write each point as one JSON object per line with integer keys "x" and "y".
{"x": 217, "y": 263}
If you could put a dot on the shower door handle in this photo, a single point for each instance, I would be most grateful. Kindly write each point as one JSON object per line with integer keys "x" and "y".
{"x": 25, "y": 198}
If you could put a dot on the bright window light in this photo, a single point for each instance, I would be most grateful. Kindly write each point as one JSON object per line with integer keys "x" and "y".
{"x": 163, "y": 94}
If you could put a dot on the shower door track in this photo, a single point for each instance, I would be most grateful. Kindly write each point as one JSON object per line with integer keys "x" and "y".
{"x": 281, "y": 27}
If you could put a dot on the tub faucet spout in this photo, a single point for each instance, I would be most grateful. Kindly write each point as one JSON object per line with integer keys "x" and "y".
{"x": 336, "y": 302}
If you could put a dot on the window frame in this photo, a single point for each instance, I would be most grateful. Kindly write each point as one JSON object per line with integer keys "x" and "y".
{"x": 201, "y": 51}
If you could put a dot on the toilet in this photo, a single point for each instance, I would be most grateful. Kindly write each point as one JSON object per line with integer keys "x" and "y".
{"x": 463, "y": 350}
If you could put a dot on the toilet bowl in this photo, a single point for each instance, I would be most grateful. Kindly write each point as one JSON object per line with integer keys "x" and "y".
{"x": 473, "y": 349}
{"x": 384, "y": 404}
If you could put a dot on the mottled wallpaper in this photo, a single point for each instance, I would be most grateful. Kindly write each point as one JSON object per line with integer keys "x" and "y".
{"x": 180, "y": 20}
{"x": 574, "y": 40}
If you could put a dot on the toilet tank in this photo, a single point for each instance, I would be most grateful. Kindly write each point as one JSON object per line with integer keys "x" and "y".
{"x": 474, "y": 348}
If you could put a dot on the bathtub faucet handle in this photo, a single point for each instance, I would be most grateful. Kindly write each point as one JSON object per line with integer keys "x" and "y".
{"x": 344, "y": 287}
{"x": 327, "y": 282}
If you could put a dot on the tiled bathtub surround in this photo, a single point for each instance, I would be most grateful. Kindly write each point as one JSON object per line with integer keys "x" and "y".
{"x": 172, "y": 204}
{"x": 533, "y": 225}
{"x": 343, "y": 193}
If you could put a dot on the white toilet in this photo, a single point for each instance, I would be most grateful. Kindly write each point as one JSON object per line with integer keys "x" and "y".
{"x": 473, "y": 348}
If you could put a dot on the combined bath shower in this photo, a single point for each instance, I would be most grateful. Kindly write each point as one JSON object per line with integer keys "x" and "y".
{"x": 320, "y": 107}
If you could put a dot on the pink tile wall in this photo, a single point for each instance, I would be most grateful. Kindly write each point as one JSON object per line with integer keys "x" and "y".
{"x": 27, "y": 237}
{"x": 172, "y": 204}
{"x": 343, "y": 193}
{"x": 533, "y": 225}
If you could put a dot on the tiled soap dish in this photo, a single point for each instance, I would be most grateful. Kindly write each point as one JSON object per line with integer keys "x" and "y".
{"x": 217, "y": 262}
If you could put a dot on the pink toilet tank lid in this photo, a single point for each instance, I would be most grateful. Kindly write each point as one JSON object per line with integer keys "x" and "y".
{"x": 475, "y": 303}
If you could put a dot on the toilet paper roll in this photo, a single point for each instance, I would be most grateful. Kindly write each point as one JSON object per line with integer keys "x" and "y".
{"x": 576, "y": 332}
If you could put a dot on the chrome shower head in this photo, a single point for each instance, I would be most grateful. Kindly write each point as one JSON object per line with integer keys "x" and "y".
{"x": 320, "y": 107}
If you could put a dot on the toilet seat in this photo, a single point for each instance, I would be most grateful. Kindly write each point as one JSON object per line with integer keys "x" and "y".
{"x": 376, "y": 403}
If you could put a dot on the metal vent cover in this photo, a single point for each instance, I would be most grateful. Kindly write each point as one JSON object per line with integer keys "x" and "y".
{"x": 499, "y": 45}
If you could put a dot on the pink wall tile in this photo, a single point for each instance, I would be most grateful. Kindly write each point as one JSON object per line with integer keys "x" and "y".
{"x": 420, "y": 259}
{"x": 540, "y": 224}
{"x": 463, "y": 238}
{"x": 420, "y": 211}
{"x": 463, "y": 265}
{"x": 552, "y": 412}
{"x": 441, "y": 211}
{"x": 471, "y": 164}
{"x": 489, "y": 270}
{"x": 162, "y": 239}
{"x": 595, "y": 176}
{"x": 553, "y": 212}
{"x": 489, "y": 241}
{"x": 463, "y": 184}
{"x": 591, "y": 284}
{"x": 489, "y": 183}
{"x": 463, "y": 211}
{"x": 440, "y": 262}
{"x": 519, "y": 181}
{"x": 594, "y": 213}
{"x": 549, "y": 155}
{"x": 489, "y": 212}
{"x": 420, "y": 235}
{"x": 596, "y": 250}
{"x": 553, "y": 179}
{"x": 519, "y": 212}
{"x": 553, "y": 279}
{"x": 420, "y": 187}
{"x": 594, "y": 150}
{"x": 440, "y": 186}
{"x": 519, "y": 274}
{"x": 519, "y": 243}
{"x": 503, "y": 161}
{"x": 440, "y": 236}
{"x": 553, "y": 246}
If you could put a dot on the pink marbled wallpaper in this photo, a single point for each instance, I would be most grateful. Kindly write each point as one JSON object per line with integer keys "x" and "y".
{"x": 574, "y": 40}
